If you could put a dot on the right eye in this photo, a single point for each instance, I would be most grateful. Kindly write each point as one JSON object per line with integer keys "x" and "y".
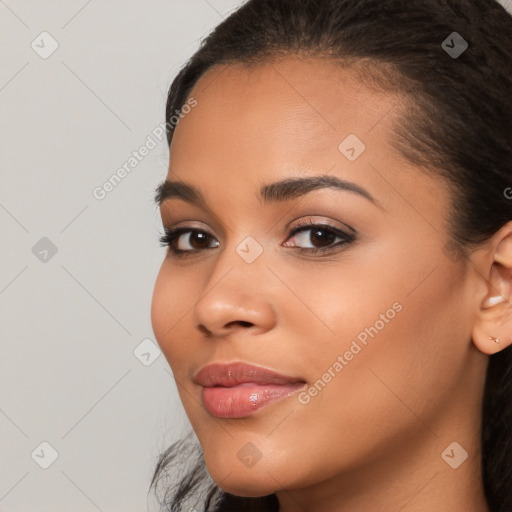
{"x": 183, "y": 241}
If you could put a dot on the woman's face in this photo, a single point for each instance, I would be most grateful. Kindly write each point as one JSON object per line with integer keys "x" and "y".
{"x": 373, "y": 331}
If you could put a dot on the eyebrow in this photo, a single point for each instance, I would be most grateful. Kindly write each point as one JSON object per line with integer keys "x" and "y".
{"x": 288, "y": 188}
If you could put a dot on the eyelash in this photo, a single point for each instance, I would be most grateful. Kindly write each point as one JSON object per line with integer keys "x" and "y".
{"x": 171, "y": 235}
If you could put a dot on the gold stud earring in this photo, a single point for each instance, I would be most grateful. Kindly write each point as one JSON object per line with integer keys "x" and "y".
{"x": 496, "y": 340}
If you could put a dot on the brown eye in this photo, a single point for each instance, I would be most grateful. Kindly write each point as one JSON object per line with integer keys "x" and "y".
{"x": 322, "y": 237}
{"x": 182, "y": 241}
{"x": 195, "y": 239}
{"x": 318, "y": 237}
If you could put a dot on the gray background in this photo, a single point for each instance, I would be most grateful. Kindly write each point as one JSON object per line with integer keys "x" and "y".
{"x": 73, "y": 371}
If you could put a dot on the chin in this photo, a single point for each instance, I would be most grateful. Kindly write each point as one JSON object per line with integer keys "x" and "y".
{"x": 249, "y": 482}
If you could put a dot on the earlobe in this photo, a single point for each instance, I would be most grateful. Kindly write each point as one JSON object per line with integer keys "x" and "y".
{"x": 492, "y": 331}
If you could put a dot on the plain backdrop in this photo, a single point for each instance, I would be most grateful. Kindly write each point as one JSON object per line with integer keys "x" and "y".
{"x": 87, "y": 402}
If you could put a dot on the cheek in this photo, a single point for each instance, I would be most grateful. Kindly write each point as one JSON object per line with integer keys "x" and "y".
{"x": 329, "y": 307}
{"x": 399, "y": 349}
{"x": 376, "y": 338}
{"x": 173, "y": 298}
{"x": 161, "y": 304}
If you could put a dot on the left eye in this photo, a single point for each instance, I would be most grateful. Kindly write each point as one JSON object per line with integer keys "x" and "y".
{"x": 318, "y": 237}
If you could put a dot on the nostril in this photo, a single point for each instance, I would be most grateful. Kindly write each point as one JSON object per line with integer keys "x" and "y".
{"x": 204, "y": 330}
{"x": 241, "y": 322}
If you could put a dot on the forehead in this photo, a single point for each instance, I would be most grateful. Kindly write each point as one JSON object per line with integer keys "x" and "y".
{"x": 292, "y": 98}
{"x": 292, "y": 115}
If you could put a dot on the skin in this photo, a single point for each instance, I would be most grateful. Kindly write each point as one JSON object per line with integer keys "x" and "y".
{"x": 372, "y": 438}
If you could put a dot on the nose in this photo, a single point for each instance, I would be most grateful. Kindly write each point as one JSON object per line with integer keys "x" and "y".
{"x": 235, "y": 301}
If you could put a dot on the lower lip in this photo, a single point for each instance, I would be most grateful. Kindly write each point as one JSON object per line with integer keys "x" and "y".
{"x": 245, "y": 399}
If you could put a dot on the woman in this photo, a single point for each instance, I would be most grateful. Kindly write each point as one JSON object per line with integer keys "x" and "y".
{"x": 335, "y": 302}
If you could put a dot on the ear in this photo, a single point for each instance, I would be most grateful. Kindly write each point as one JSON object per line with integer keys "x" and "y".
{"x": 492, "y": 331}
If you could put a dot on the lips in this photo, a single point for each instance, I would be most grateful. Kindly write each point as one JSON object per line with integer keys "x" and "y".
{"x": 237, "y": 390}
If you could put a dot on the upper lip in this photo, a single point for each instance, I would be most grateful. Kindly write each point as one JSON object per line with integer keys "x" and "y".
{"x": 233, "y": 374}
